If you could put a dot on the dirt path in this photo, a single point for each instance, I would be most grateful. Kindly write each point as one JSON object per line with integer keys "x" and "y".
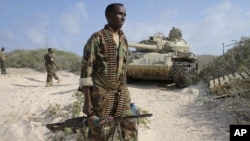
{"x": 178, "y": 114}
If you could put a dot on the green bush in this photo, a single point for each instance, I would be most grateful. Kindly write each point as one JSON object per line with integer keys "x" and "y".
{"x": 35, "y": 59}
{"x": 236, "y": 59}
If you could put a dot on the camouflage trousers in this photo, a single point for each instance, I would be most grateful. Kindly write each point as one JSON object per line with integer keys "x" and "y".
{"x": 50, "y": 75}
{"x": 3, "y": 69}
{"x": 99, "y": 98}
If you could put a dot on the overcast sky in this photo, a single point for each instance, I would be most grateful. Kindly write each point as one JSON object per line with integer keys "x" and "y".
{"x": 205, "y": 24}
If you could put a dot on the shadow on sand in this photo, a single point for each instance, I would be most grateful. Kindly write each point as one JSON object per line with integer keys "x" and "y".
{"x": 19, "y": 85}
{"x": 33, "y": 79}
{"x": 149, "y": 84}
{"x": 64, "y": 92}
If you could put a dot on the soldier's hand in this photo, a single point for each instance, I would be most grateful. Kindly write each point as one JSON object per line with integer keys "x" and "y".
{"x": 96, "y": 121}
{"x": 93, "y": 120}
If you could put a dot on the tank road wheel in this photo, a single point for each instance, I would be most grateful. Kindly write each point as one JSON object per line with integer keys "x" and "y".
{"x": 182, "y": 74}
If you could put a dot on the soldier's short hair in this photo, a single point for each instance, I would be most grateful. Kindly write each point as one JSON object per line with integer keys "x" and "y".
{"x": 2, "y": 49}
{"x": 111, "y": 6}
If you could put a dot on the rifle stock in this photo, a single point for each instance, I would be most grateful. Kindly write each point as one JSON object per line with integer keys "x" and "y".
{"x": 81, "y": 122}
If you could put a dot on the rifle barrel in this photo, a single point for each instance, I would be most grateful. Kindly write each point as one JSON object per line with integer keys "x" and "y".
{"x": 81, "y": 122}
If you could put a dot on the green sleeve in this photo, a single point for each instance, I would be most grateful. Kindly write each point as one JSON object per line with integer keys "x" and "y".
{"x": 87, "y": 61}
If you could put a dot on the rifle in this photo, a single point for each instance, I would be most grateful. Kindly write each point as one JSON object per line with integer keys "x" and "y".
{"x": 81, "y": 122}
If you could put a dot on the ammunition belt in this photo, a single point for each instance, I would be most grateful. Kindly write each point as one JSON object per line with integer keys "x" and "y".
{"x": 105, "y": 82}
{"x": 115, "y": 108}
{"x": 108, "y": 81}
{"x": 111, "y": 56}
{"x": 118, "y": 96}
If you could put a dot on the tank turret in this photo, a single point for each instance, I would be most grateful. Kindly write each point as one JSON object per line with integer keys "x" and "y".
{"x": 162, "y": 44}
{"x": 163, "y": 58}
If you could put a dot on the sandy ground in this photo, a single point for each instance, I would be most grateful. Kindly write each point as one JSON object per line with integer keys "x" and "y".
{"x": 178, "y": 114}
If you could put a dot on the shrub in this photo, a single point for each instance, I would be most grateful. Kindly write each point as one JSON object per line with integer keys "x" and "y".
{"x": 236, "y": 59}
{"x": 35, "y": 59}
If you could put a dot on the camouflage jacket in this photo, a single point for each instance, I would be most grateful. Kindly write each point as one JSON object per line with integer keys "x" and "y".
{"x": 95, "y": 62}
{"x": 2, "y": 57}
{"x": 49, "y": 58}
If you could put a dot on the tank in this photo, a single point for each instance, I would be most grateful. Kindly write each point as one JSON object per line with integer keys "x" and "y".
{"x": 163, "y": 58}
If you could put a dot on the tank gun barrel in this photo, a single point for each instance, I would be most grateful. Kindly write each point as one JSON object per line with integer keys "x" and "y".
{"x": 143, "y": 46}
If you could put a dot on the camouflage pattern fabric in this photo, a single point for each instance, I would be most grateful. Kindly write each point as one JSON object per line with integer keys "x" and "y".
{"x": 48, "y": 58}
{"x": 2, "y": 62}
{"x": 105, "y": 63}
{"x": 3, "y": 69}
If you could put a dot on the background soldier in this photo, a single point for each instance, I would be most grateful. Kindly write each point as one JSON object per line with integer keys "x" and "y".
{"x": 103, "y": 76}
{"x": 49, "y": 64}
{"x": 2, "y": 61}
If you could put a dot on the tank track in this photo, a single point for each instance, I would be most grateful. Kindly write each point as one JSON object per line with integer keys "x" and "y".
{"x": 182, "y": 73}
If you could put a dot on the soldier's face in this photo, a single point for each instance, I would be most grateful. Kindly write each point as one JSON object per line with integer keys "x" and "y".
{"x": 116, "y": 18}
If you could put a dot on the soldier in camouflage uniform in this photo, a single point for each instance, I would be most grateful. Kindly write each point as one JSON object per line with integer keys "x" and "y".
{"x": 2, "y": 61}
{"x": 49, "y": 64}
{"x": 103, "y": 76}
